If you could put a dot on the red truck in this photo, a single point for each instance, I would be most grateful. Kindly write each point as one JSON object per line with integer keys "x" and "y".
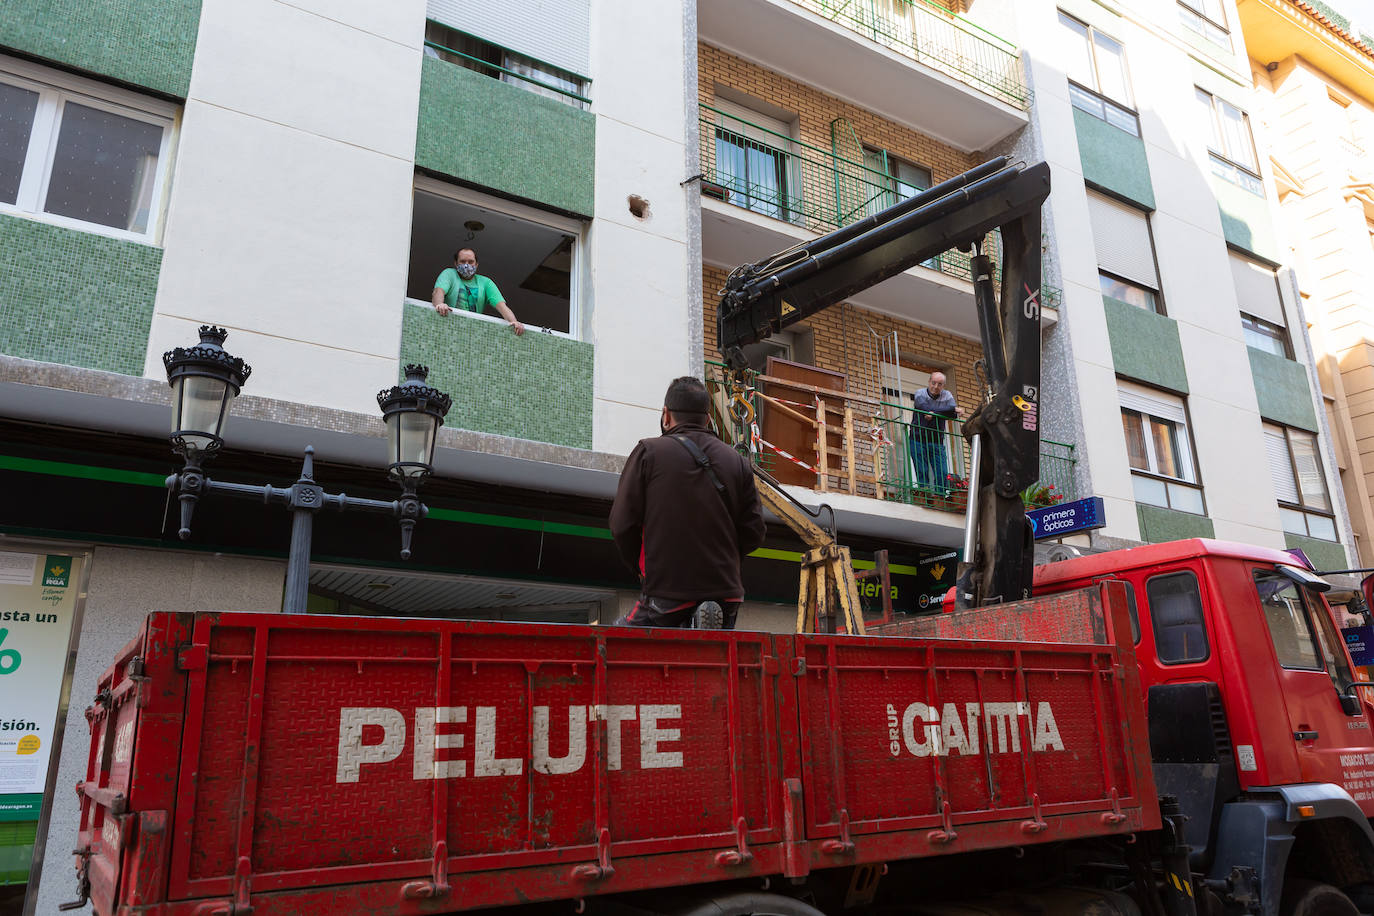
{"x": 997, "y": 758}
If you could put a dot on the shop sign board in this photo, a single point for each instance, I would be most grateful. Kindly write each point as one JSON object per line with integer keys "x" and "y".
{"x": 37, "y": 604}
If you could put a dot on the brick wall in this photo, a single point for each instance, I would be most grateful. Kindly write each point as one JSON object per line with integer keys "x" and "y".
{"x": 841, "y": 342}
{"x": 815, "y": 111}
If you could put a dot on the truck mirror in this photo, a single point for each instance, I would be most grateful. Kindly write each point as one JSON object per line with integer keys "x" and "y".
{"x": 1351, "y": 705}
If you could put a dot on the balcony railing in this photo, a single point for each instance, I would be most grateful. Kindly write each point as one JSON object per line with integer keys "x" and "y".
{"x": 933, "y": 36}
{"x": 881, "y": 450}
{"x": 774, "y": 175}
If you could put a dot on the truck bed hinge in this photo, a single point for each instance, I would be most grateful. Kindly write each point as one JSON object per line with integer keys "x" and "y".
{"x": 947, "y": 834}
{"x": 603, "y": 867}
{"x": 844, "y": 845}
{"x": 1115, "y": 816}
{"x": 1037, "y": 823}
{"x": 438, "y": 884}
{"x": 740, "y": 854}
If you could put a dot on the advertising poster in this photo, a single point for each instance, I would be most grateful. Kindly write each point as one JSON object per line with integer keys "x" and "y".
{"x": 37, "y": 604}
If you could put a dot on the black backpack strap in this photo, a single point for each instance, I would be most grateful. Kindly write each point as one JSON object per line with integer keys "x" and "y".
{"x": 705, "y": 464}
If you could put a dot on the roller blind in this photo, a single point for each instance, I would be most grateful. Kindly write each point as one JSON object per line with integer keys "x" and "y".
{"x": 1257, "y": 291}
{"x": 1280, "y": 466}
{"x": 554, "y": 31}
{"x": 1149, "y": 401}
{"x": 1121, "y": 235}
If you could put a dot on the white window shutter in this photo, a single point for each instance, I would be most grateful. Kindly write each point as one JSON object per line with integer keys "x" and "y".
{"x": 1152, "y": 402}
{"x": 1121, "y": 235}
{"x": 1257, "y": 292}
{"x": 554, "y": 31}
{"x": 1280, "y": 465}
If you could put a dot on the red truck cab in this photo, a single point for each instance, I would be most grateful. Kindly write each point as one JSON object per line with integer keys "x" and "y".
{"x": 1250, "y": 703}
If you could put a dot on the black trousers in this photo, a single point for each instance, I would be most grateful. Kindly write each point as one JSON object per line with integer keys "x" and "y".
{"x": 669, "y": 612}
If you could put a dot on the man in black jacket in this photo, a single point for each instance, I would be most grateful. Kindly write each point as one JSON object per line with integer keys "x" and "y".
{"x": 685, "y": 513}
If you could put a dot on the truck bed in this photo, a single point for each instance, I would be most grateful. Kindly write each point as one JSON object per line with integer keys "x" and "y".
{"x": 374, "y": 765}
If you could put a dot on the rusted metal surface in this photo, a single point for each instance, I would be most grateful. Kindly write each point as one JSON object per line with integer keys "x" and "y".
{"x": 1066, "y": 617}
{"x": 364, "y": 765}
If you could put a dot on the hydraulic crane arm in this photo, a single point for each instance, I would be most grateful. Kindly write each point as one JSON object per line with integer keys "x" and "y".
{"x": 763, "y": 298}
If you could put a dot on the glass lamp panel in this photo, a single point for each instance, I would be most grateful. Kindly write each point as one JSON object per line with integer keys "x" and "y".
{"x": 202, "y": 403}
{"x": 17, "y": 107}
{"x": 410, "y": 439}
{"x": 104, "y": 168}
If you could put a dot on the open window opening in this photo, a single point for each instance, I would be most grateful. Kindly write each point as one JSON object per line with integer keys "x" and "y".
{"x": 530, "y": 256}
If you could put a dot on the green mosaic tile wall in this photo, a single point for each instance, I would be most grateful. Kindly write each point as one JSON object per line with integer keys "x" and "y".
{"x": 1282, "y": 391}
{"x": 537, "y": 386}
{"x": 1245, "y": 220}
{"x": 1323, "y": 554}
{"x": 75, "y": 298}
{"x": 494, "y": 135}
{"x": 1158, "y": 524}
{"x": 1113, "y": 159}
{"x": 147, "y": 43}
{"x": 1145, "y": 346}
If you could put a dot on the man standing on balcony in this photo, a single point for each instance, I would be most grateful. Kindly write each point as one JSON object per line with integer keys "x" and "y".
{"x": 462, "y": 287}
{"x": 686, "y": 512}
{"x": 933, "y": 406}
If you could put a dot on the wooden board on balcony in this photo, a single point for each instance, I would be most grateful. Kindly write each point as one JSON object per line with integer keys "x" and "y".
{"x": 792, "y": 435}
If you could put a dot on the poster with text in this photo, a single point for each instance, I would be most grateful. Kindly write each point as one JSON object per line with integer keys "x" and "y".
{"x": 37, "y": 604}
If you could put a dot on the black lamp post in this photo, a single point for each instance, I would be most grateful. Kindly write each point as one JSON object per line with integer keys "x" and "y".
{"x": 205, "y": 380}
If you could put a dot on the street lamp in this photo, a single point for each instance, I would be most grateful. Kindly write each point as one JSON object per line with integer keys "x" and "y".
{"x": 205, "y": 380}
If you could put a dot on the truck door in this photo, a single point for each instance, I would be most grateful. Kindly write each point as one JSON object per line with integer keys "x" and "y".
{"x": 1313, "y": 672}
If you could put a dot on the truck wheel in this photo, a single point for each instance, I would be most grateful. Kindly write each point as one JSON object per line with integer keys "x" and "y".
{"x": 746, "y": 903}
{"x": 1311, "y": 898}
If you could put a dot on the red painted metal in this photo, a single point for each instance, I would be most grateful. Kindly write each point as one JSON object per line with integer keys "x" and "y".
{"x": 365, "y": 765}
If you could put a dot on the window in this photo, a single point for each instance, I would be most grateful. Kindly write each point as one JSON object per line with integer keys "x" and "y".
{"x": 752, "y": 166}
{"x": 1295, "y": 467}
{"x": 1176, "y": 613}
{"x": 79, "y": 154}
{"x": 1125, "y": 252}
{"x": 1159, "y": 448}
{"x": 505, "y": 65}
{"x": 1096, "y": 67}
{"x": 1206, "y": 18}
{"x": 530, "y": 255}
{"x": 893, "y": 179}
{"x": 1229, "y": 142}
{"x": 1261, "y": 309}
{"x": 1127, "y": 292}
{"x": 1282, "y": 601}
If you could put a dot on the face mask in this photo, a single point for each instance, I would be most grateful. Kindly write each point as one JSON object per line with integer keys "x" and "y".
{"x": 467, "y": 271}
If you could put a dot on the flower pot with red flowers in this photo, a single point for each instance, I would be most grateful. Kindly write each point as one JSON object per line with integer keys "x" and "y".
{"x": 957, "y": 489}
{"x": 1041, "y": 496}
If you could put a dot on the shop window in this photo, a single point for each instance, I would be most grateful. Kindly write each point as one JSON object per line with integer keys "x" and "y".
{"x": 83, "y": 155}
{"x": 531, "y": 256}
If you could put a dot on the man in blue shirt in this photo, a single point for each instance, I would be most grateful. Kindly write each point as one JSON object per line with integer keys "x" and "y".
{"x": 933, "y": 406}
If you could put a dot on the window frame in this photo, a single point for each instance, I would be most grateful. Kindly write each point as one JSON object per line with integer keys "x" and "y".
{"x": 1202, "y": 19}
{"x": 1188, "y": 455}
{"x": 891, "y": 178}
{"x": 1251, "y": 324}
{"x": 788, "y": 203}
{"x": 55, "y": 89}
{"x": 1269, "y": 572}
{"x": 578, "y": 97}
{"x": 1126, "y": 109}
{"x": 1156, "y": 629}
{"x": 1302, "y": 507}
{"x": 575, "y": 228}
{"x": 1156, "y": 305}
{"x": 1223, "y": 160}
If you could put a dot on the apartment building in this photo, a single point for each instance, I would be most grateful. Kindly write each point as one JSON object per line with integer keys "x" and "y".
{"x": 1313, "y": 69}
{"x": 298, "y": 174}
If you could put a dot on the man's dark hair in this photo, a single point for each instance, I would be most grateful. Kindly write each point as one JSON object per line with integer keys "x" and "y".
{"x": 463, "y": 249}
{"x": 687, "y": 395}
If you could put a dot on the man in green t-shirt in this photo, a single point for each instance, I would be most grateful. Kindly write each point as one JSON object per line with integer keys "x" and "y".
{"x": 462, "y": 287}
